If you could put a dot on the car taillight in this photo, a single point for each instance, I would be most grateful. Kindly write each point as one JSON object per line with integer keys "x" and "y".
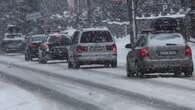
{"x": 188, "y": 51}
{"x": 81, "y": 49}
{"x": 45, "y": 46}
{"x": 32, "y": 45}
{"x": 114, "y": 48}
{"x": 144, "y": 53}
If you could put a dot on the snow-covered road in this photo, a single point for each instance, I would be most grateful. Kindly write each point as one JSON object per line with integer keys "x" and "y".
{"x": 104, "y": 88}
{"x": 99, "y": 88}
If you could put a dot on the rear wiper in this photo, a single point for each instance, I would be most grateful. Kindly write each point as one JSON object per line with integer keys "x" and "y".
{"x": 169, "y": 44}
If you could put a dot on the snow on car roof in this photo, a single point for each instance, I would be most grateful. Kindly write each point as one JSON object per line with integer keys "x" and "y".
{"x": 160, "y": 16}
{"x": 69, "y": 32}
{"x": 96, "y": 29}
{"x": 37, "y": 35}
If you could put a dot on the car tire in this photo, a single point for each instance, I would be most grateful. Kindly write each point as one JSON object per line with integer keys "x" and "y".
{"x": 130, "y": 74}
{"x": 106, "y": 65}
{"x": 138, "y": 73}
{"x": 114, "y": 64}
{"x": 177, "y": 74}
{"x": 42, "y": 59}
{"x": 26, "y": 57}
{"x": 30, "y": 57}
{"x": 188, "y": 74}
{"x": 76, "y": 65}
{"x": 70, "y": 65}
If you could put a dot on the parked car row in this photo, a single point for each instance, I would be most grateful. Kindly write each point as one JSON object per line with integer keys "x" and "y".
{"x": 85, "y": 47}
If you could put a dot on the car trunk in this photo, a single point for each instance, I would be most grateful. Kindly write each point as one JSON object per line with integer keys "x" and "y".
{"x": 167, "y": 52}
{"x": 97, "y": 48}
{"x": 58, "y": 48}
{"x": 166, "y": 46}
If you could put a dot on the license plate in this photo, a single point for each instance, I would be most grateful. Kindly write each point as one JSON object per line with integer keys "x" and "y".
{"x": 98, "y": 49}
{"x": 167, "y": 53}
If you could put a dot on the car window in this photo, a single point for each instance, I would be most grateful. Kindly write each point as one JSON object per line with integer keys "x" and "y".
{"x": 38, "y": 38}
{"x": 163, "y": 39}
{"x": 13, "y": 36}
{"x": 62, "y": 40}
{"x": 96, "y": 37}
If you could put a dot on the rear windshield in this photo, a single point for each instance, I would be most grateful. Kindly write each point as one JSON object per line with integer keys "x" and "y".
{"x": 96, "y": 37}
{"x": 60, "y": 40}
{"x": 38, "y": 38}
{"x": 166, "y": 39}
{"x": 13, "y": 36}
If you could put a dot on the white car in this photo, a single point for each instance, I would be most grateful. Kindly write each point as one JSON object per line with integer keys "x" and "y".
{"x": 13, "y": 42}
{"x": 92, "y": 46}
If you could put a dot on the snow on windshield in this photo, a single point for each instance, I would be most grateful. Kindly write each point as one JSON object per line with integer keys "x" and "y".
{"x": 164, "y": 39}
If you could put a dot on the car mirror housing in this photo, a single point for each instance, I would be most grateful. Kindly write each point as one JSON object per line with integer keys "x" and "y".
{"x": 128, "y": 46}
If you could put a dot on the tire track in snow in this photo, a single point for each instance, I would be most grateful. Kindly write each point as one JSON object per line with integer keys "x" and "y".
{"x": 132, "y": 95}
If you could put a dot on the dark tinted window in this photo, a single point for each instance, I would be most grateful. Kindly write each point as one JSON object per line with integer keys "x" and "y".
{"x": 38, "y": 38}
{"x": 96, "y": 37}
{"x": 61, "y": 40}
{"x": 13, "y": 36}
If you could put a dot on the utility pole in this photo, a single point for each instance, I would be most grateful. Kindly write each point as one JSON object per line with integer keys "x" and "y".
{"x": 131, "y": 10}
{"x": 89, "y": 13}
{"x": 77, "y": 9}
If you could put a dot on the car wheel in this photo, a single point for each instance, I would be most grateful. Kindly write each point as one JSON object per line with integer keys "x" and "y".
{"x": 114, "y": 64}
{"x": 70, "y": 65}
{"x": 26, "y": 57}
{"x": 130, "y": 74}
{"x": 30, "y": 57}
{"x": 177, "y": 74}
{"x": 138, "y": 73}
{"x": 188, "y": 74}
{"x": 76, "y": 65}
{"x": 106, "y": 65}
{"x": 42, "y": 59}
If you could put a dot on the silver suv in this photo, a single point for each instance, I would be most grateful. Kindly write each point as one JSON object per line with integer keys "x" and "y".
{"x": 92, "y": 46}
{"x": 160, "y": 53}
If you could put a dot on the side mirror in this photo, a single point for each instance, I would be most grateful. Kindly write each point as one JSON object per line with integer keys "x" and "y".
{"x": 128, "y": 46}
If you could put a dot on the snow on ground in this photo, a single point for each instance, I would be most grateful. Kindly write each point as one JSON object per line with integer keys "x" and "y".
{"x": 122, "y": 51}
{"x": 14, "y": 98}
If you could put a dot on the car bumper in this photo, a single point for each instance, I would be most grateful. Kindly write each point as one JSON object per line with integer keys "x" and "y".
{"x": 164, "y": 66}
{"x": 99, "y": 59}
{"x": 57, "y": 56}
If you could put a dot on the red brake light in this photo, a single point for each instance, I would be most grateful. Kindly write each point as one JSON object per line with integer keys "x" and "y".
{"x": 188, "y": 51}
{"x": 31, "y": 45}
{"x": 114, "y": 48}
{"x": 81, "y": 49}
{"x": 45, "y": 46}
{"x": 144, "y": 53}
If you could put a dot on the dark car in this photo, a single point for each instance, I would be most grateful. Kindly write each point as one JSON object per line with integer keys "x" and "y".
{"x": 54, "y": 48}
{"x": 160, "y": 53}
{"x": 32, "y": 46}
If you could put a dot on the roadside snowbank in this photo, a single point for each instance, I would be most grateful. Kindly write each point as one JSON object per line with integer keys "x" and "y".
{"x": 13, "y": 98}
{"x": 122, "y": 51}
